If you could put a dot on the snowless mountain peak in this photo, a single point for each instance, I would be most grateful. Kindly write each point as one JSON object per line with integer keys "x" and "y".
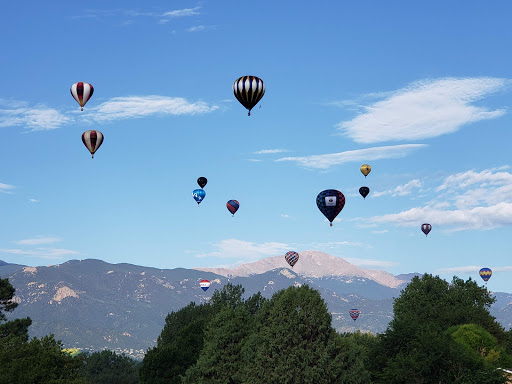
{"x": 311, "y": 264}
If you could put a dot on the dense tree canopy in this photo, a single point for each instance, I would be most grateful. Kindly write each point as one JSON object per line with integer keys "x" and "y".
{"x": 420, "y": 346}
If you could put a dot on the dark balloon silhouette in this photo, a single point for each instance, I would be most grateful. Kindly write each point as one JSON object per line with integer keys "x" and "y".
{"x": 364, "y": 191}
{"x": 202, "y": 181}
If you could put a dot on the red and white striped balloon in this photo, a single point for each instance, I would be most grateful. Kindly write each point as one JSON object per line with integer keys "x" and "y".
{"x": 92, "y": 140}
{"x": 82, "y": 92}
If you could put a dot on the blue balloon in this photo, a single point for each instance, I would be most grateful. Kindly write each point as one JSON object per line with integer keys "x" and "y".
{"x": 198, "y": 195}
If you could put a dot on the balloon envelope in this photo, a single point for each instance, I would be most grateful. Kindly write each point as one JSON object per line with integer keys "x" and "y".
{"x": 82, "y": 92}
{"x": 291, "y": 258}
{"x": 92, "y": 140}
{"x": 198, "y": 195}
{"x": 364, "y": 191}
{"x": 330, "y": 202}
{"x": 232, "y": 206}
{"x": 248, "y": 91}
{"x": 205, "y": 284}
{"x": 485, "y": 273}
{"x": 354, "y": 313}
{"x": 426, "y": 228}
{"x": 365, "y": 169}
{"x": 202, "y": 181}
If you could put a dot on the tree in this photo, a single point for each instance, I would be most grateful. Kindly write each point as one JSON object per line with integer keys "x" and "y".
{"x": 484, "y": 345}
{"x": 416, "y": 347}
{"x": 107, "y": 367}
{"x": 293, "y": 332}
{"x": 181, "y": 341}
{"x": 6, "y": 298}
{"x": 39, "y": 361}
{"x": 220, "y": 359}
{"x": 178, "y": 345}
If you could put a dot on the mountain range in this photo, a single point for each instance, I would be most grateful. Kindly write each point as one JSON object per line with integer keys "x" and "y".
{"x": 93, "y": 305}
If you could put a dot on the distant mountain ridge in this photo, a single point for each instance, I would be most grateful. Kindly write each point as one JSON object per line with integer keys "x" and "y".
{"x": 311, "y": 264}
{"x": 94, "y": 305}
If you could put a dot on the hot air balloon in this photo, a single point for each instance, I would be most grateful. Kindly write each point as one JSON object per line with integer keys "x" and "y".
{"x": 202, "y": 181}
{"x": 485, "y": 273}
{"x": 365, "y": 169}
{"x": 426, "y": 228}
{"x": 291, "y": 258}
{"x": 364, "y": 191}
{"x": 82, "y": 92}
{"x": 330, "y": 202}
{"x": 354, "y": 313}
{"x": 92, "y": 140}
{"x": 205, "y": 284}
{"x": 198, "y": 195}
{"x": 232, "y": 206}
{"x": 248, "y": 91}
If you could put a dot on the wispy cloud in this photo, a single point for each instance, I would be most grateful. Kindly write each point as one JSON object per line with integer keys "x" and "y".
{"x": 201, "y": 28}
{"x": 43, "y": 118}
{"x": 367, "y": 154}
{"x": 44, "y": 253}
{"x": 163, "y": 17}
{"x": 246, "y": 250}
{"x": 141, "y": 106}
{"x": 6, "y": 188}
{"x": 401, "y": 190}
{"x": 269, "y": 151}
{"x": 33, "y": 200}
{"x": 467, "y": 200}
{"x": 41, "y": 239}
{"x": 425, "y": 109}
{"x": 371, "y": 263}
{"x": 167, "y": 16}
{"x": 330, "y": 245}
{"x": 476, "y": 218}
{"x": 472, "y": 269}
{"x": 38, "y": 118}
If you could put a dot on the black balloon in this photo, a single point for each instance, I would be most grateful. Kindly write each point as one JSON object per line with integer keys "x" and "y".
{"x": 202, "y": 181}
{"x": 364, "y": 191}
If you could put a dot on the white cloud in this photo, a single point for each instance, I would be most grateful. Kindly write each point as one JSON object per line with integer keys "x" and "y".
{"x": 475, "y": 218}
{"x": 466, "y": 200}
{"x": 182, "y": 12}
{"x": 401, "y": 190}
{"x": 485, "y": 187}
{"x": 6, "y": 188}
{"x": 285, "y": 216}
{"x": 44, "y": 253}
{"x": 39, "y": 118}
{"x": 200, "y": 28}
{"x": 42, "y": 118}
{"x": 424, "y": 109}
{"x": 167, "y": 16}
{"x": 370, "y": 263}
{"x": 367, "y": 154}
{"x": 39, "y": 240}
{"x": 246, "y": 250}
{"x": 269, "y": 151}
{"x": 335, "y": 244}
{"x": 33, "y": 200}
{"x": 472, "y": 269}
{"x": 141, "y": 106}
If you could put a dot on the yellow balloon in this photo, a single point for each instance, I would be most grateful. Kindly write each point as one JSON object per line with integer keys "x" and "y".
{"x": 365, "y": 169}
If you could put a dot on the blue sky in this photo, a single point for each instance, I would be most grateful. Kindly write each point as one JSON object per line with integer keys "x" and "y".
{"x": 421, "y": 92}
